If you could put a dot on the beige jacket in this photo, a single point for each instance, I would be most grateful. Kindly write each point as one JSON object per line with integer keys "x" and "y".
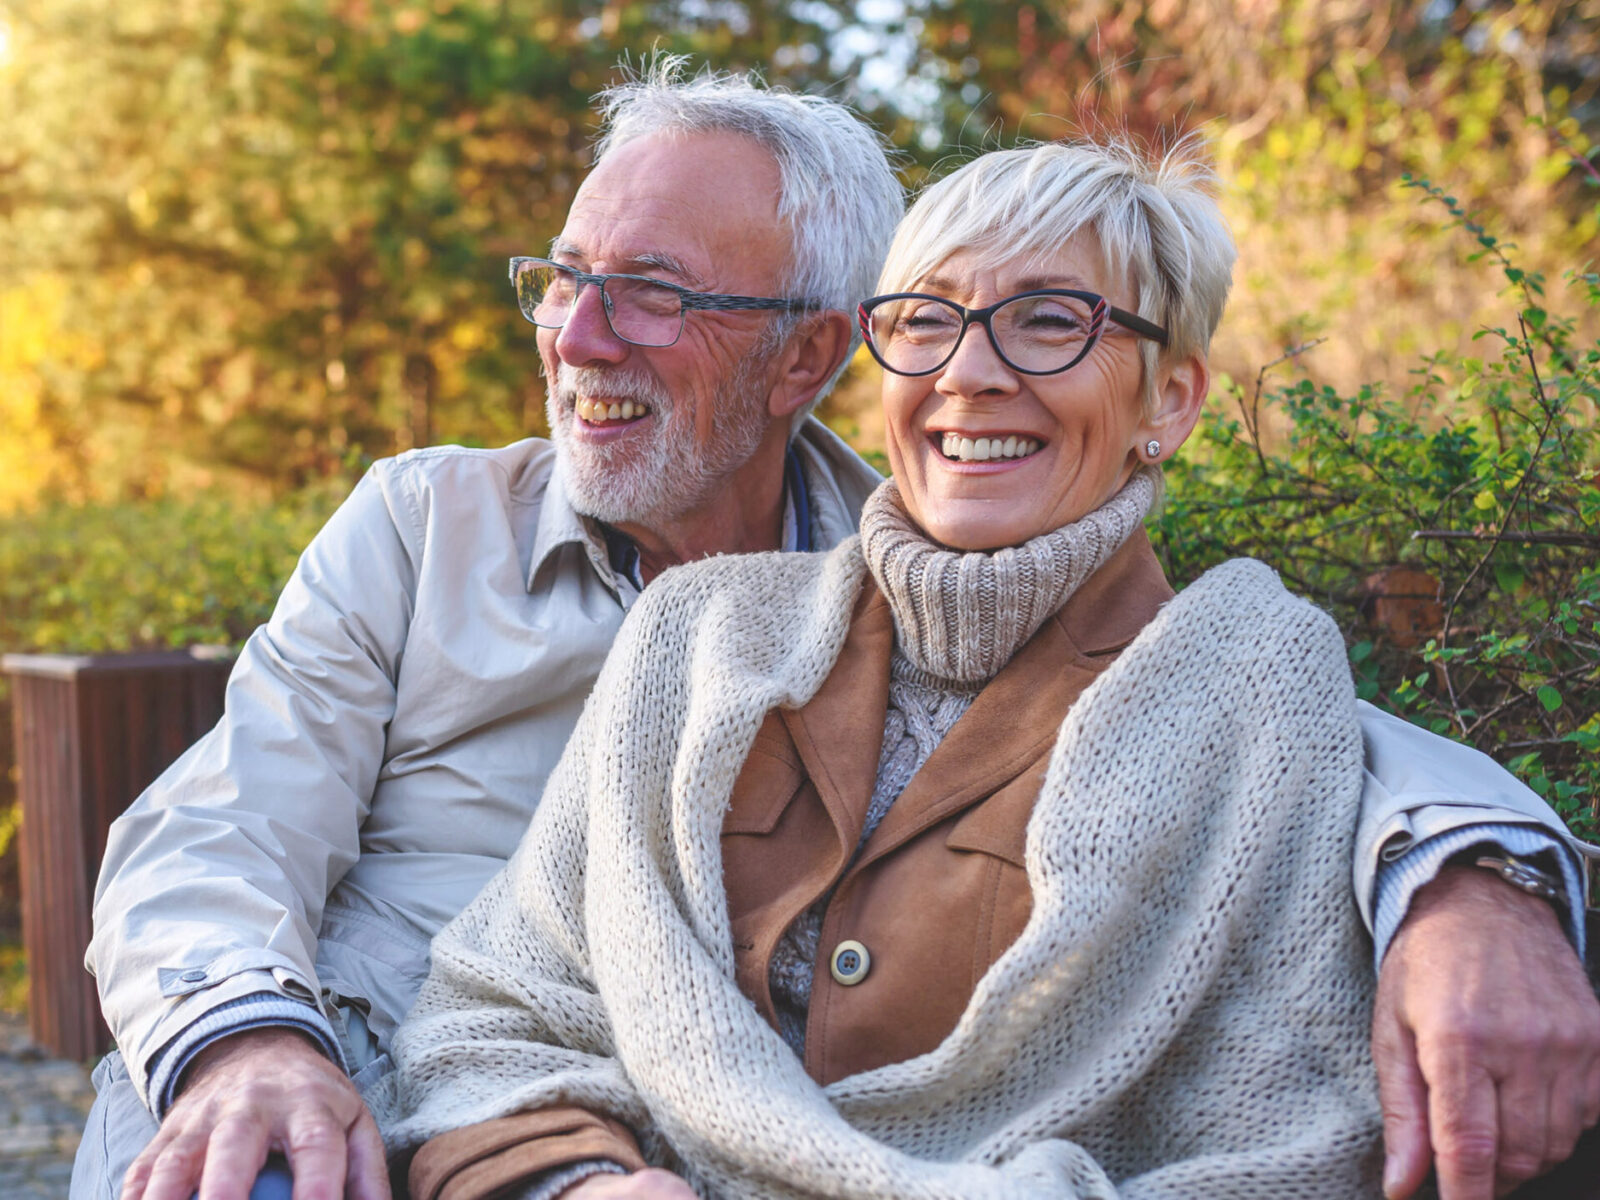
{"x": 387, "y": 736}
{"x": 390, "y": 730}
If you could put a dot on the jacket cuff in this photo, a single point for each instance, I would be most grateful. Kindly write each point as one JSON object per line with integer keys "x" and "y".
{"x": 1398, "y": 881}
{"x": 552, "y": 1184}
{"x": 491, "y": 1157}
{"x": 260, "y": 1010}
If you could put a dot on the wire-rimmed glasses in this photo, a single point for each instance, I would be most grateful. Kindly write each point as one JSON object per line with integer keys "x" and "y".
{"x": 1040, "y": 332}
{"x": 639, "y": 310}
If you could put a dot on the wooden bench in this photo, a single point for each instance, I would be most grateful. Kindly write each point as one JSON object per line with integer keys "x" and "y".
{"x": 92, "y": 731}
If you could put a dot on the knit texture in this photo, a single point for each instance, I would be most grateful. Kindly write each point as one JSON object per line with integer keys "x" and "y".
{"x": 1184, "y": 1015}
{"x": 960, "y": 615}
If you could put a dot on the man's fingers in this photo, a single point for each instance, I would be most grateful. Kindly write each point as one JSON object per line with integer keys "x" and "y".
{"x": 1570, "y": 1107}
{"x": 1524, "y": 1120}
{"x": 652, "y": 1184}
{"x": 233, "y": 1158}
{"x": 368, "y": 1177}
{"x": 315, "y": 1145}
{"x": 1463, "y": 1124}
{"x": 1403, "y": 1096}
{"x": 137, "y": 1177}
{"x": 174, "y": 1173}
{"x": 1590, "y": 1100}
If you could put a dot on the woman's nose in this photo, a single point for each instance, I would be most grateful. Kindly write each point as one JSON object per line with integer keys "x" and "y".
{"x": 976, "y": 368}
{"x": 586, "y": 337}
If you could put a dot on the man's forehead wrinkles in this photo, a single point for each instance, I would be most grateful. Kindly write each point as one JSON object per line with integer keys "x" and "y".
{"x": 630, "y": 262}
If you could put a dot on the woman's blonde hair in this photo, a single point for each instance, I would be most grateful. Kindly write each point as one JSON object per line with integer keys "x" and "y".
{"x": 1153, "y": 215}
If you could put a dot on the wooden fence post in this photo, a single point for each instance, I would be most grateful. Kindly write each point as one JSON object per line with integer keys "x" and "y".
{"x": 92, "y": 731}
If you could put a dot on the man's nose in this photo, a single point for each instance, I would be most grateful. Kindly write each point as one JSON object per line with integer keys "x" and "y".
{"x": 587, "y": 337}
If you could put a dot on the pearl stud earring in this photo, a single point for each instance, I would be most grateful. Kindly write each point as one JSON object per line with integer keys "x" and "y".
{"x": 1152, "y": 448}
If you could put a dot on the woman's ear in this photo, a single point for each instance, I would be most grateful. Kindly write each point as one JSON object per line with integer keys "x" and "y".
{"x": 815, "y": 351}
{"x": 1180, "y": 392}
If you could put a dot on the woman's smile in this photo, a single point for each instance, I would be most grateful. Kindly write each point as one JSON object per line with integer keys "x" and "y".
{"x": 992, "y": 450}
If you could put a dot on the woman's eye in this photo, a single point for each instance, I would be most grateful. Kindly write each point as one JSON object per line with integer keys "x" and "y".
{"x": 926, "y": 319}
{"x": 1052, "y": 318}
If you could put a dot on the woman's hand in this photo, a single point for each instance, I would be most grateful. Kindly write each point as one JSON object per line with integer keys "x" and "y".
{"x": 654, "y": 1184}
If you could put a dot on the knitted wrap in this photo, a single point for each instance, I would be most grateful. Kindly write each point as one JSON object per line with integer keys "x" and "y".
{"x": 1184, "y": 1016}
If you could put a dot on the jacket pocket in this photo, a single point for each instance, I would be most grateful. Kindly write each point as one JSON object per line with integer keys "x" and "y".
{"x": 999, "y": 825}
{"x": 769, "y": 780}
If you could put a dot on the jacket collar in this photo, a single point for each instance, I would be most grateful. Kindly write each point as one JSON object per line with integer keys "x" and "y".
{"x": 839, "y": 731}
{"x": 1010, "y": 726}
{"x": 1115, "y": 603}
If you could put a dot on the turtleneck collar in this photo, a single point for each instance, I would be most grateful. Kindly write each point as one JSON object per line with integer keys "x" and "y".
{"x": 960, "y": 615}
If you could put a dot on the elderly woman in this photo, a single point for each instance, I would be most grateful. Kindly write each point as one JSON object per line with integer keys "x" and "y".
{"x": 964, "y": 860}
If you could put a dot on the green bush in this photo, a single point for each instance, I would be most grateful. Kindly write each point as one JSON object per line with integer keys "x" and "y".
{"x": 144, "y": 575}
{"x": 158, "y": 573}
{"x": 1485, "y": 476}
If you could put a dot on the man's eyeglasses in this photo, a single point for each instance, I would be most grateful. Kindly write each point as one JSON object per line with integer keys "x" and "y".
{"x": 1037, "y": 333}
{"x": 640, "y": 310}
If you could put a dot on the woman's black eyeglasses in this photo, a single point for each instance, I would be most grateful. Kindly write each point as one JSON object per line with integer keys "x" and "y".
{"x": 640, "y": 310}
{"x": 1041, "y": 332}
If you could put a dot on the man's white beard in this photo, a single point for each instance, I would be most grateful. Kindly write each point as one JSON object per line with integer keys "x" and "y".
{"x": 654, "y": 479}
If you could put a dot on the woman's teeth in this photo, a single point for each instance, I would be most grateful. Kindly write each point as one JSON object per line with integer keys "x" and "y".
{"x": 965, "y": 449}
{"x": 595, "y": 411}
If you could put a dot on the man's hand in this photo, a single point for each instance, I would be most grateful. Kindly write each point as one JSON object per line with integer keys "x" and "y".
{"x": 255, "y": 1092}
{"x": 653, "y": 1184}
{"x": 1486, "y": 1037}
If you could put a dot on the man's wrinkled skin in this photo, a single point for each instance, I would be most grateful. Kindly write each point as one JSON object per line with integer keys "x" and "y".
{"x": 1483, "y": 1074}
{"x": 253, "y": 1093}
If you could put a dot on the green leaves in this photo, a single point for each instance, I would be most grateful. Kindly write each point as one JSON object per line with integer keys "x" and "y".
{"x": 1453, "y": 531}
{"x": 85, "y": 579}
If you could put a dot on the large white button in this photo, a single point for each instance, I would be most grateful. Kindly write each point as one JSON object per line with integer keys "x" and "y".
{"x": 850, "y": 963}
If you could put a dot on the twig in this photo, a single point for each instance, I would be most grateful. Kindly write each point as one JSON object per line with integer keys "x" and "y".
{"x": 1252, "y": 417}
{"x": 1511, "y": 509}
{"x": 1523, "y": 696}
{"x": 1526, "y": 537}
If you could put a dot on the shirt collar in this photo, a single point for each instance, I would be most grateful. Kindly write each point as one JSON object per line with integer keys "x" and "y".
{"x": 562, "y": 525}
{"x": 613, "y": 555}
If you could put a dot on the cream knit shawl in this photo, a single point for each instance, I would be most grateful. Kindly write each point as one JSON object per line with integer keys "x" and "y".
{"x": 1184, "y": 1016}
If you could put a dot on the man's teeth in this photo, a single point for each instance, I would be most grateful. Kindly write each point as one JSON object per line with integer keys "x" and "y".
{"x": 598, "y": 410}
{"x": 965, "y": 449}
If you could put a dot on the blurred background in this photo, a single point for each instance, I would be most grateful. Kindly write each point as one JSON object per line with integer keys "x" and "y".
{"x": 246, "y": 246}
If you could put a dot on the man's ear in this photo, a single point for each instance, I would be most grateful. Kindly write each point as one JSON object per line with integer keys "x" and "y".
{"x": 1180, "y": 393}
{"x": 814, "y": 353}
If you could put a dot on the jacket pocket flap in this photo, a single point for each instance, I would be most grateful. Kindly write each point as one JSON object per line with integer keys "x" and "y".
{"x": 769, "y": 780}
{"x": 999, "y": 825}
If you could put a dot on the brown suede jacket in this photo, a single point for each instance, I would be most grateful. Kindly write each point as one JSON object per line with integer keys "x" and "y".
{"x": 936, "y": 895}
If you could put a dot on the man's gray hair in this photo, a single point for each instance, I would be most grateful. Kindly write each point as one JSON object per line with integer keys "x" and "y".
{"x": 1153, "y": 216}
{"x": 837, "y": 191}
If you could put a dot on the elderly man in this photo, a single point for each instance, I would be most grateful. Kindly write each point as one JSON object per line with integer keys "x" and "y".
{"x": 264, "y": 911}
